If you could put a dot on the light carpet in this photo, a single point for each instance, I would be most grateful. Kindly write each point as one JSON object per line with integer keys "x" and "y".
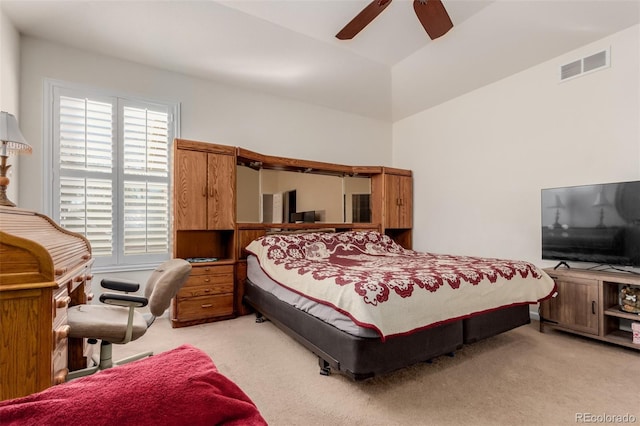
{"x": 520, "y": 377}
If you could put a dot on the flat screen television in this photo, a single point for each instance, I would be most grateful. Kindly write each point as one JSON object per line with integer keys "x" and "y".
{"x": 597, "y": 223}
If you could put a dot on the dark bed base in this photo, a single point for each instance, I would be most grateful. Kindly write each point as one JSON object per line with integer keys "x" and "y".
{"x": 362, "y": 358}
{"x": 492, "y": 323}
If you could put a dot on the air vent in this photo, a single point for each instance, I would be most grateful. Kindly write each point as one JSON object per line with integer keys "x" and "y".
{"x": 593, "y": 62}
{"x": 585, "y": 65}
{"x": 571, "y": 70}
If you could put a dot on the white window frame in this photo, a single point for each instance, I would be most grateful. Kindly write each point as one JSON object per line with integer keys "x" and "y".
{"x": 54, "y": 88}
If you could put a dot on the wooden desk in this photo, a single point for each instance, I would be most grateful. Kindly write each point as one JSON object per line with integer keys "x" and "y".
{"x": 44, "y": 269}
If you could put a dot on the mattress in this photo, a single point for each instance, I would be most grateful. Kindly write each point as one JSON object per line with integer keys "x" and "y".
{"x": 325, "y": 313}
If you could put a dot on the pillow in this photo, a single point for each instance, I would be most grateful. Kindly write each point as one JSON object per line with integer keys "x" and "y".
{"x": 299, "y": 231}
{"x": 294, "y": 246}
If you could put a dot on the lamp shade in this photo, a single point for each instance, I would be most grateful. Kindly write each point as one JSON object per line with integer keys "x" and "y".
{"x": 601, "y": 199}
{"x": 10, "y": 135}
{"x": 557, "y": 204}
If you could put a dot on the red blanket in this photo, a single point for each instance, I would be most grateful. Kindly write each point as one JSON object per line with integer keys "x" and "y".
{"x": 178, "y": 387}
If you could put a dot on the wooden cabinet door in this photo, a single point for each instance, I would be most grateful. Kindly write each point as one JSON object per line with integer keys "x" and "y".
{"x": 392, "y": 201}
{"x": 221, "y": 191}
{"x": 576, "y": 305}
{"x": 190, "y": 190}
{"x": 405, "y": 209}
{"x": 26, "y": 339}
{"x": 398, "y": 201}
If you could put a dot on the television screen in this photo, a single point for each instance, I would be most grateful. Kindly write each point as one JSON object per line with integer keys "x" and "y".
{"x": 592, "y": 223}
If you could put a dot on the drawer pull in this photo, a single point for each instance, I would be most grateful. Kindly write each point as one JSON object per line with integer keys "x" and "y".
{"x": 61, "y": 333}
{"x": 207, "y": 290}
{"x": 61, "y": 376}
{"x": 60, "y": 271}
{"x": 79, "y": 278}
{"x": 63, "y": 303}
{"x": 89, "y": 277}
{"x": 89, "y": 297}
{"x": 207, "y": 305}
{"x": 593, "y": 307}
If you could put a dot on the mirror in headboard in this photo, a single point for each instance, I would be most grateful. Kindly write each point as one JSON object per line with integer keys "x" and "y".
{"x": 328, "y": 198}
{"x": 357, "y": 199}
{"x": 277, "y": 189}
{"x": 247, "y": 194}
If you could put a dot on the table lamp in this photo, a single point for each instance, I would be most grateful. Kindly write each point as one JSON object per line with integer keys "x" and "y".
{"x": 557, "y": 204}
{"x": 602, "y": 202}
{"x": 12, "y": 142}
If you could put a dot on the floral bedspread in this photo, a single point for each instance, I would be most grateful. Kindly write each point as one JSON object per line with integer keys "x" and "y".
{"x": 382, "y": 286}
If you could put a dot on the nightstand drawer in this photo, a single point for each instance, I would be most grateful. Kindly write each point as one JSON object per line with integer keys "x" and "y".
{"x": 211, "y": 270}
{"x": 208, "y": 281}
{"x": 205, "y": 289}
{"x": 211, "y": 279}
{"x": 205, "y": 307}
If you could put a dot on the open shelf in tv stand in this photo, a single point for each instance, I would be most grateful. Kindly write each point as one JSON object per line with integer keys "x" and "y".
{"x": 587, "y": 304}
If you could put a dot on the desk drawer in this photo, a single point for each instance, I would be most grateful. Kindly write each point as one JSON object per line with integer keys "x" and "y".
{"x": 60, "y": 334}
{"x": 59, "y": 363}
{"x": 196, "y": 308}
{"x": 60, "y": 304}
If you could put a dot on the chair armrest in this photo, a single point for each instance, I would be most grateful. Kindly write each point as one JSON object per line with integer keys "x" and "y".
{"x": 123, "y": 300}
{"x": 119, "y": 284}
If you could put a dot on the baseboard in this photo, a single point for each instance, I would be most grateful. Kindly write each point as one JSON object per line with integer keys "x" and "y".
{"x": 534, "y": 315}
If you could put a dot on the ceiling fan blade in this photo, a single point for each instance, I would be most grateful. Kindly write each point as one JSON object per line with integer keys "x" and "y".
{"x": 362, "y": 19}
{"x": 433, "y": 17}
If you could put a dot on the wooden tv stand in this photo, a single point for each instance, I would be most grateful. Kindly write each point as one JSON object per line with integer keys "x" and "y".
{"x": 587, "y": 304}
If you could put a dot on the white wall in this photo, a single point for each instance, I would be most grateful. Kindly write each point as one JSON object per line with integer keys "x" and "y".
{"x": 480, "y": 160}
{"x": 9, "y": 84}
{"x": 211, "y": 112}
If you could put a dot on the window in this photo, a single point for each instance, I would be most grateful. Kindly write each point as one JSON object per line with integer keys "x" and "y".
{"x": 110, "y": 162}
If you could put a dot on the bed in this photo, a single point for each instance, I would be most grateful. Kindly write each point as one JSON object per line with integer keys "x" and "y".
{"x": 366, "y": 306}
{"x": 176, "y": 387}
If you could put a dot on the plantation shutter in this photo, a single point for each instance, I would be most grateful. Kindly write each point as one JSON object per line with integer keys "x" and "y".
{"x": 146, "y": 187}
{"x": 86, "y": 171}
{"x": 111, "y": 159}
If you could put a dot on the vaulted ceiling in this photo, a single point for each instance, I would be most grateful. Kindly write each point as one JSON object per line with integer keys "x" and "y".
{"x": 389, "y": 71}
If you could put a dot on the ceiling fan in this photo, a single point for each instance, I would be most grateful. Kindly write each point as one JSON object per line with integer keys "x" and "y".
{"x": 431, "y": 14}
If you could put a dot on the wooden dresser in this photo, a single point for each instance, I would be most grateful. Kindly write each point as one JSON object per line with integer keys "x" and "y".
{"x": 204, "y": 225}
{"x": 215, "y": 185}
{"x": 43, "y": 270}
